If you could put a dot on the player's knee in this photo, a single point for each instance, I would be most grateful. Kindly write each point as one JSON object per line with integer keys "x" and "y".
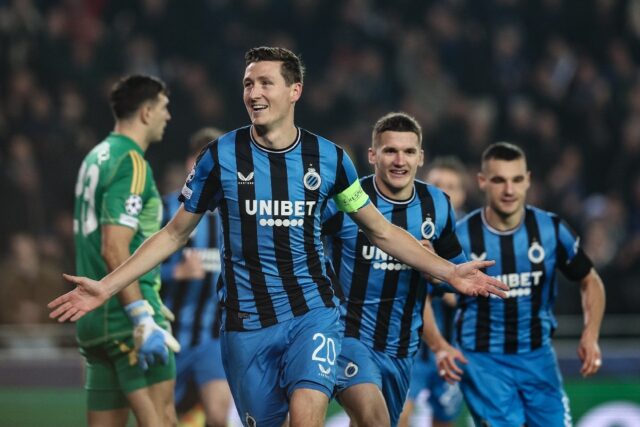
{"x": 170, "y": 417}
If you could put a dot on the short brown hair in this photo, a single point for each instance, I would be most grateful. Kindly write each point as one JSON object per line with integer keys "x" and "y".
{"x": 503, "y": 151}
{"x": 130, "y": 92}
{"x": 396, "y": 122}
{"x": 292, "y": 68}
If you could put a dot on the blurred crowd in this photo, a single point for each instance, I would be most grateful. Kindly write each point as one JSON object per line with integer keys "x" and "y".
{"x": 558, "y": 77}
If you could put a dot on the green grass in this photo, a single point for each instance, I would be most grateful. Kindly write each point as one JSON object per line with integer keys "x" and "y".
{"x": 36, "y": 407}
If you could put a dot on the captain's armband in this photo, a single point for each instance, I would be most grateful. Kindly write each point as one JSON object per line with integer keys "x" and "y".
{"x": 351, "y": 199}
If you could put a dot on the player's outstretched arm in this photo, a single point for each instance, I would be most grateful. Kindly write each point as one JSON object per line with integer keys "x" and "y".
{"x": 90, "y": 294}
{"x": 466, "y": 278}
{"x": 593, "y": 303}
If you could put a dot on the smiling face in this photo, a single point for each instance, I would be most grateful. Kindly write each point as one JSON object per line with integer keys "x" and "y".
{"x": 505, "y": 184}
{"x": 396, "y": 157}
{"x": 267, "y": 97}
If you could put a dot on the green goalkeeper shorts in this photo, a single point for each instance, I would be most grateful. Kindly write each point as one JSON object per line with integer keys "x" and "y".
{"x": 112, "y": 372}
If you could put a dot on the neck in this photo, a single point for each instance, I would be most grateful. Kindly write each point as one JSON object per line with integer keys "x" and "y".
{"x": 277, "y": 138}
{"x": 399, "y": 195}
{"x": 503, "y": 222}
{"x": 133, "y": 132}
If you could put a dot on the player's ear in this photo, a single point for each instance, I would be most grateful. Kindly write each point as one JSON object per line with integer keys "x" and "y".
{"x": 296, "y": 91}
{"x": 482, "y": 180}
{"x": 372, "y": 156}
{"x": 421, "y": 159}
{"x": 145, "y": 113}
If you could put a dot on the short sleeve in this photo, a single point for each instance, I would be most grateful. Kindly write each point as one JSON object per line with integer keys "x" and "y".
{"x": 572, "y": 260}
{"x": 202, "y": 190}
{"x": 123, "y": 200}
{"x": 349, "y": 195}
{"x": 447, "y": 244}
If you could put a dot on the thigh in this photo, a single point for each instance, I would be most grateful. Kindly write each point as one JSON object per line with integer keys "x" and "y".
{"x": 356, "y": 365}
{"x": 396, "y": 374}
{"x": 252, "y": 362}
{"x": 130, "y": 376}
{"x": 541, "y": 387}
{"x": 365, "y": 404}
{"x": 419, "y": 378}
{"x": 101, "y": 381}
{"x": 313, "y": 345}
{"x": 490, "y": 390}
{"x": 207, "y": 365}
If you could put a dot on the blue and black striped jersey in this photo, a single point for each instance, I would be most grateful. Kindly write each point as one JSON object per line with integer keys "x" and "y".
{"x": 270, "y": 204}
{"x": 526, "y": 260}
{"x": 382, "y": 298}
{"x": 194, "y": 302}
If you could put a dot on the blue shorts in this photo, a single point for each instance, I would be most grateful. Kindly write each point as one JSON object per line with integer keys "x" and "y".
{"x": 359, "y": 364}
{"x": 445, "y": 399}
{"x": 198, "y": 365}
{"x": 514, "y": 389}
{"x": 265, "y": 366}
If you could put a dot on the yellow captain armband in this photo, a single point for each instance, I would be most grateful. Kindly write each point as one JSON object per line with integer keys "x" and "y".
{"x": 351, "y": 199}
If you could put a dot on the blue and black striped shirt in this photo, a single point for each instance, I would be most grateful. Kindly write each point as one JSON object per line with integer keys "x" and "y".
{"x": 194, "y": 302}
{"x": 270, "y": 203}
{"x": 526, "y": 260}
{"x": 382, "y": 298}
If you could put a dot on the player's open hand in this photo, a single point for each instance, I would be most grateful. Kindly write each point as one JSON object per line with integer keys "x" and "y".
{"x": 88, "y": 295}
{"x": 590, "y": 355}
{"x": 469, "y": 280}
{"x": 448, "y": 368}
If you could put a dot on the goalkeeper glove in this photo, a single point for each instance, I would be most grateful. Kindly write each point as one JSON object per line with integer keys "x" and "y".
{"x": 151, "y": 341}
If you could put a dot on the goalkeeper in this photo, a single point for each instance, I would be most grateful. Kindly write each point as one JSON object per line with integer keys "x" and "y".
{"x": 125, "y": 343}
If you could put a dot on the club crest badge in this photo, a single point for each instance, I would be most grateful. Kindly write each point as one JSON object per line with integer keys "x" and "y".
{"x": 536, "y": 253}
{"x": 311, "y": 179}
{"x": 428, "y": 228}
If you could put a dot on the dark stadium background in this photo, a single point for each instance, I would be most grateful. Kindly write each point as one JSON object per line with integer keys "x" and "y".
{"x": 558, "y": 77}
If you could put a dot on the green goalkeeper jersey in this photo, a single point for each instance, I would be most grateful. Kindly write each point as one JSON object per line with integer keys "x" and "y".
{"x": 115, "y": 186}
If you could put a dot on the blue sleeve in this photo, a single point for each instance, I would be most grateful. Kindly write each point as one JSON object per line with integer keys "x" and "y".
{"x": 347, "y": 192}
{"x": 447, "y": 244}
{"x": 571, "y": 259}
{"x": 202, "y": 190}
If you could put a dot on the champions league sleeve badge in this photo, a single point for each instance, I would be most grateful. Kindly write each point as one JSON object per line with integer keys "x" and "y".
{"x": 133, "y": 205}
{"x": 311, "y": 179}
{"x": 428, "y": 228}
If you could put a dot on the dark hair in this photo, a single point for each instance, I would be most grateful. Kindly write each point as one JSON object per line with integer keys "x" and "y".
{"x": 396, "y": 122}
{"x": 130, "y": 92}
{"x": 199, "y": 139}
{"x": 292, "y": 68}
{"x": 503, "y": 151}
{"x": 451, "y": 163}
